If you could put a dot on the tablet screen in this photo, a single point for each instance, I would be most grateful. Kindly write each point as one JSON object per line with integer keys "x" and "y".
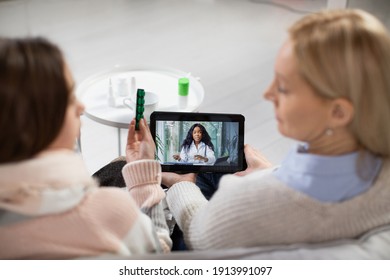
{"x": 198, "y": 142}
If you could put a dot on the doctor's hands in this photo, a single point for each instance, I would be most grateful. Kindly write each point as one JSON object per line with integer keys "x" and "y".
{"x": 255, "y": 161}
{"x": 201, "y": 158}
{"x": 176, "y": 157}
{"x": 140, "y": 144}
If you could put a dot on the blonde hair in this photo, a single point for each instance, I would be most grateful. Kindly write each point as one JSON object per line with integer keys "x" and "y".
{"x": 346, "y": 54}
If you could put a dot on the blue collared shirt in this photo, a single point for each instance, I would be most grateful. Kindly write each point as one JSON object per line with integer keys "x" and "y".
{"x": 329, "y": 178}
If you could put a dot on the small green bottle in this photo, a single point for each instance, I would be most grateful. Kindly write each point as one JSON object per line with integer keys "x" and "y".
{"x": 184, "y": 84}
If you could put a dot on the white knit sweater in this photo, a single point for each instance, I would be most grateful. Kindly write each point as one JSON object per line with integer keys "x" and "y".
{"x": 260, "y": 210}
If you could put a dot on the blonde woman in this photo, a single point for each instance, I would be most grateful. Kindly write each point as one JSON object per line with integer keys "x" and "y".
{"x": 331, "y": 91}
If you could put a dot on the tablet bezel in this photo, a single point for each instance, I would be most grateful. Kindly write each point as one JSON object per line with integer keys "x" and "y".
{"x": 205, "y": 117}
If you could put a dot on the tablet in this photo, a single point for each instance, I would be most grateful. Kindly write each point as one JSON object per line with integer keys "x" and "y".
{"x": 198, "y": 142}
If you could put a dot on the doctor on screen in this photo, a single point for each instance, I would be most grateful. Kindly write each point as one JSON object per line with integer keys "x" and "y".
{"x": 197, "y": 147}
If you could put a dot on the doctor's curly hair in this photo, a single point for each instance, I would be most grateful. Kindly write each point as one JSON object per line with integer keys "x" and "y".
{"x": 205, "y": 137}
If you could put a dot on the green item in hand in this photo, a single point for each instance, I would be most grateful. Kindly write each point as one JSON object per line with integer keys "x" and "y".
{"x": 139, "y": 113}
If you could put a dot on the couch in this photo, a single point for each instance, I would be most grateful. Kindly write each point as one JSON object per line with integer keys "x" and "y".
{"x": 374, "y": 245}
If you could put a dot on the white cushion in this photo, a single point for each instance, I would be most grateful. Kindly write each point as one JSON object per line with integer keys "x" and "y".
{"x": 372, "y": 245}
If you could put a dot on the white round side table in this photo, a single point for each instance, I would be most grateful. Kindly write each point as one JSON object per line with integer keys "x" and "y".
{"x": 94, "y": 92}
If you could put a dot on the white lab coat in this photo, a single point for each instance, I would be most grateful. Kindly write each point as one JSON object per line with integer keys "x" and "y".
{"x": 202, "y": 150}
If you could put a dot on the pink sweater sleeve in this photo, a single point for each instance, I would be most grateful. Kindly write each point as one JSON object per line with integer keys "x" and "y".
{"x": 143, "y": 179}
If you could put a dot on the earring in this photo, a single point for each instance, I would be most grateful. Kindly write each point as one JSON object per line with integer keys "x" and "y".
{"x": 329, "y": 132}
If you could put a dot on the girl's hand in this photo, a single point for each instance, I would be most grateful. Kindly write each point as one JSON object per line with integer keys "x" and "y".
{"x": 169, "y": 178}
{"x": 140, "y": 144}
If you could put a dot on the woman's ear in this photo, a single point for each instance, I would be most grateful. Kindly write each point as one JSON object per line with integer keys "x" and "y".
{"x": 342, "y": 112}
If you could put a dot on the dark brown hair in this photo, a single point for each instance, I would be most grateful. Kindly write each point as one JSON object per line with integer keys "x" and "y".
{"x": 33, "y": 96}
{"x": 189, "y": 138}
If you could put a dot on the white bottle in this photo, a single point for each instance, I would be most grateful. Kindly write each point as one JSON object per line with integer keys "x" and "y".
{"x": 123, "y": 91}
{"x": 183, "y": 93}
{"x": 111, "y": 97}
{"x": 133, "y": 88}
